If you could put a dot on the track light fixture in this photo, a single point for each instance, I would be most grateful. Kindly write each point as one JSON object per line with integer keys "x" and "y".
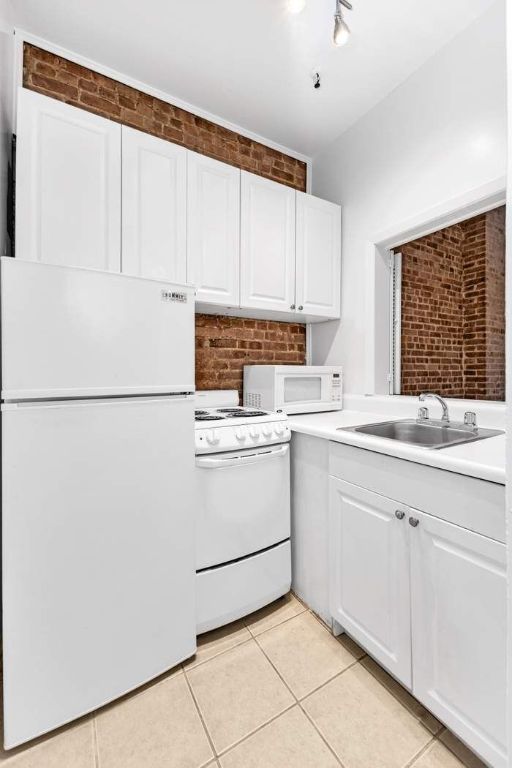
{"x": 341, "y": 29}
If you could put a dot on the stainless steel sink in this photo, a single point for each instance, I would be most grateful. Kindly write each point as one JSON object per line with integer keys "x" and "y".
{"x": 425, "y": 434}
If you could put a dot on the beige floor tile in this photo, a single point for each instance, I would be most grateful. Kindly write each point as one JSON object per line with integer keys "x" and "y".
{"x": 305, "y": 653}
{"x": 219, "y": 640}
{"x": 465, "y": 755}
{"x": 159, "y": 727}
{"x": 289, "y": 741}
{"x": 437, "y": 756}
{"x": 275, "y": 613}
{"x": 364, "y": 724}
{"x": 71, "y": 748}
{"x": 237, "y": 692}
{"x": 412, "y": 704}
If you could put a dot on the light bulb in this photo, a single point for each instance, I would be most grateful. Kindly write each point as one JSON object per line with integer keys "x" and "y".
{"x": 341, "y": 30}
{"x": 296, "y": 6}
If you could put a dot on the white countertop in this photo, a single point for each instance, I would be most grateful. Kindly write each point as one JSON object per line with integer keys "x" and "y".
{"x": 484, "y": 459}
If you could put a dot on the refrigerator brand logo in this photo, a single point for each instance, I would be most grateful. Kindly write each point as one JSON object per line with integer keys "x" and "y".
{"x": 174, "y": 296}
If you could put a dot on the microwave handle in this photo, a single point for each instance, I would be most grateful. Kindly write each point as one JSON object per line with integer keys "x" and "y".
{"x": 208, "y": 462}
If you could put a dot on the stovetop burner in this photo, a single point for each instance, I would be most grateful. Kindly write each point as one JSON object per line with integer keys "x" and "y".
{"x": 209, "y": 418}
{"x": 201, "y": 413}
{"x": 230, "y": 410}
{"x": 247, "y": 414}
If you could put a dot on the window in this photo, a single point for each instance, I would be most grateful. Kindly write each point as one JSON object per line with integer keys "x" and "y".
{"x": 448, "y": 311}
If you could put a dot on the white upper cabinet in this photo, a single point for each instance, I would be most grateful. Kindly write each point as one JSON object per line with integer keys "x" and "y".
{"x": 369, "y": 573}
{"x": 154, "y": 207}
{"x": 267, "y": 245}
{"x": 459, "y": 638}
{"x": 213, "y": 230}
{"x": 68, "y": 185}
{"x": 318, "y": 273}
{"x": 95, "y": 194}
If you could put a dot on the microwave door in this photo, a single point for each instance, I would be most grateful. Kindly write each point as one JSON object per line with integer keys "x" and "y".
{"x": 308, "y": 392}
{"x": 299, "y": 389}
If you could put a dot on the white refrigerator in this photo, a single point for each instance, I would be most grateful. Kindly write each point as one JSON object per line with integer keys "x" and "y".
{"x": 98, "y": 563}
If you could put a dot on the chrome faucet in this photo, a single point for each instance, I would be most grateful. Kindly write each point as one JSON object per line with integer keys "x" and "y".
{"x": 425, "y": 396}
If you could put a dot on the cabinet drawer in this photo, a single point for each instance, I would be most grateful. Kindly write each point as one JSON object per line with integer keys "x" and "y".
{"x": 477, "y": 505}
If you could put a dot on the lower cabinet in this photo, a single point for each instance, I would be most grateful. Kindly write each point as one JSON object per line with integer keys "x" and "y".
{"x": 369, "y": 574}
{"x": 427, "y": 599}
{"x": 459, "y": 622}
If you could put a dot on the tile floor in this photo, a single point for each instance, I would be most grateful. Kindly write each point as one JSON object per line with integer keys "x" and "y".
{"x": 275, "y": 690}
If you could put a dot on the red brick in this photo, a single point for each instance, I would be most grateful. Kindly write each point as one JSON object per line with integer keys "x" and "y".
{"x": 225, "y": 344}
{"x": 54, "y": 76}
{"x": 453, "y": 310}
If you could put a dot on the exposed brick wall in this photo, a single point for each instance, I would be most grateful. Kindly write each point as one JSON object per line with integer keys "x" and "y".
{"x": 431, "y": 314}
{"x": 225, "y": 344}
{"x": 453, "y": 310}
{"x": 495, "y": 282}
{"x": 61, "y": 79}
{"x": 474, "y": 259}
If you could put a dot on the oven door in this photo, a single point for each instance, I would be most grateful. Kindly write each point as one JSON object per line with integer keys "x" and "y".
{"x": 243, "y": 504}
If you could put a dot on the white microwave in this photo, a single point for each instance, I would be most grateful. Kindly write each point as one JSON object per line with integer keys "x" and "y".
{"x": 293, "y": 388}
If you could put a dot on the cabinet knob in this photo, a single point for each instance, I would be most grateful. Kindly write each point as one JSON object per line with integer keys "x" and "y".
{"x": 292, "y": 306}
{"x": 399, "y": 514}
{"x": 414, "y": 521}
{"x": 301, "y": 308}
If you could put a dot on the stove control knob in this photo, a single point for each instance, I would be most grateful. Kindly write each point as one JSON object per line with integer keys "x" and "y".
{"x": 254, "y": 433}
{"x": 212, "y": 437}
{"x": 267, "y": 430}
{"x": 279, "y": 428}
{"x": 240, "y": 434}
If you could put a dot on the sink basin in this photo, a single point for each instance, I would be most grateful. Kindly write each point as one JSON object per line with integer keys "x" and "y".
{"x": 424, "y": 434}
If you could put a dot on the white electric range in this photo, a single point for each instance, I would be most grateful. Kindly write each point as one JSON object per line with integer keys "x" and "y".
{"x": 243, "y": 556}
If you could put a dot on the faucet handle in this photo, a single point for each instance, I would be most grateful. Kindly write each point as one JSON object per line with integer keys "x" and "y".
{"x": 470, "y": 419}
{"x": 423, "y": 413}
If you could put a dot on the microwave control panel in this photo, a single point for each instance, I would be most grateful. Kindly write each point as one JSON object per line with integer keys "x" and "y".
{"x": 336, "y": 387}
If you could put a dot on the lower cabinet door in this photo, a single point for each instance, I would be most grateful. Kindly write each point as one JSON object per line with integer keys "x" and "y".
{"x": 369, "y": 581}
{"x": 459, "y": 632}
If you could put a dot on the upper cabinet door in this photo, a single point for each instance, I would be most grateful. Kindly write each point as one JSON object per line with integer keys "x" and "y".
{"x": 267, "y": 244}
{"x": 154, "y": 207}
{"x": 213, "y": 230}
{"x": 68, "y": 185}
{"x": 369, "y": 573}
{"x": 318, "y": 256}
{"x": 459, "y": 619}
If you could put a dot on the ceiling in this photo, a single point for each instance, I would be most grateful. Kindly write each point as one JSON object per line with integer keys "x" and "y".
{"x": 250, "y": 62}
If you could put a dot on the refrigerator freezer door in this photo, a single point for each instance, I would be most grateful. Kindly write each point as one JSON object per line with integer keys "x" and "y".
{"x": 71, "y": 332}
{"x": 98, "y": 554}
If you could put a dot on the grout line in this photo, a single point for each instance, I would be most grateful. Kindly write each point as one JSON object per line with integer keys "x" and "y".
{"x": 210, "y": 740}
{"x": 317, "y": 729}
{"x": 256, "y": 730}
{"x": 326, "y": 682}
{"x": 420, "y": 753}
{"x": 279, "y": 624}
{"x": 190, "y": 667}
{"x": 299, "y": 704}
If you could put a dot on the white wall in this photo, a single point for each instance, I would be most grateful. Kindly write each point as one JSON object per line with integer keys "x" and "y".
{"x": 6, "y": 123}
{"x": 437, "y": 136}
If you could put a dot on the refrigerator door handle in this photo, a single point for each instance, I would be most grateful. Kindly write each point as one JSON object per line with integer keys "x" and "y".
{"x": 79, "y": 402}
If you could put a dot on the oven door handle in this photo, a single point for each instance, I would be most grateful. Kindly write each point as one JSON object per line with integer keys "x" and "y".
{"x": 207, "y": 462}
